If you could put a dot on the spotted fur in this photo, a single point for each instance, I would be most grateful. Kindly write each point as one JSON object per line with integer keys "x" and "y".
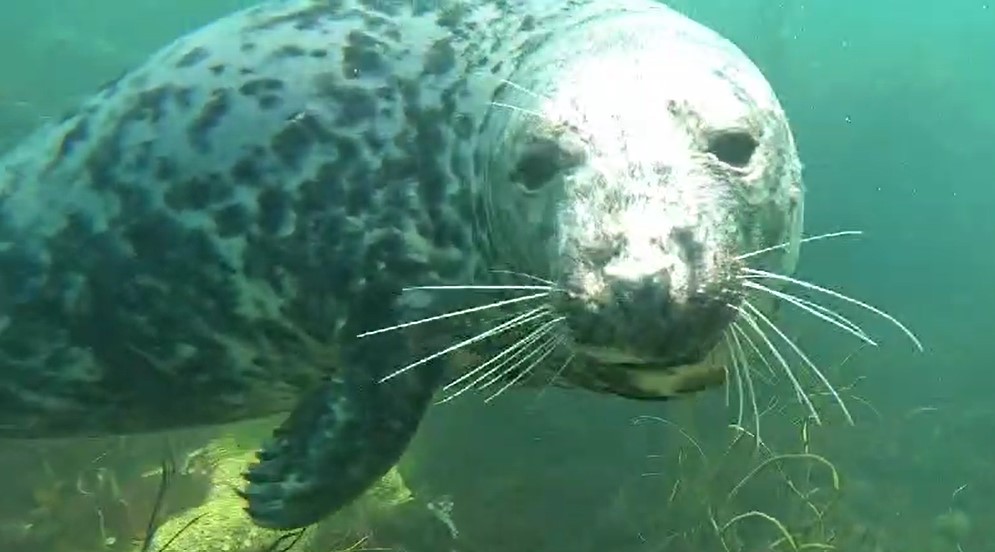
{"x": 203, "y": 239}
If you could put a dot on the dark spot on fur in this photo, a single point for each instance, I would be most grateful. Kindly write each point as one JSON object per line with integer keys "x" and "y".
{"x": 232, "y": 220}
{"x": 248, "y": 47}
{"x": 256, "y": 87}
{"x": 306, "y": 19}
{"x": 103, "y": 160}
{"x": 355, "y": 106}
{"x": 463, "y": 126}
{"x": 361, "y": 54}
{"x": 274, "y": 210}
{"x": 452, "y": 17}
{"x": 184, "y": 97}
{"x": 193, "y": 57}
{"x": 197, "y": 193}
{"x": 289, "y": 51}
{"x": 292, "y": 144}
{"x": 317, "y": 53}
{"x": 246, "y": 170}
{"x": 440, "y": 58}
{"x": 528, "y": 23}
{"x": 165, "y": 169}
{"x": 210, "y": 116}
{"x": 149, "y": 105}
{"x": 111, "y": 86}
{"x": 269, "y": 101}
{"x": 218, "y": 68}
{"x": 142, "y": 156}
{"x": 78, "y": 133}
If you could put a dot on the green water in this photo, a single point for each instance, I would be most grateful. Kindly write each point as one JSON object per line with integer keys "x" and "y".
{"x": 891, "y": 104}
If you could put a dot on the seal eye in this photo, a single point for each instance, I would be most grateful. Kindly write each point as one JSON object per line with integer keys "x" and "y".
{"x": 733, "y": 148}
{"x": 542, "y": 160}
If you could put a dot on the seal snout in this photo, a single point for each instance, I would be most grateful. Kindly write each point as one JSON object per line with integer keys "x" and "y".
{"x": 652, "y": 304}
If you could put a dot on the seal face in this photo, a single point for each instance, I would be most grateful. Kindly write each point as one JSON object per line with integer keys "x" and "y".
{"x": 298, "y": 207}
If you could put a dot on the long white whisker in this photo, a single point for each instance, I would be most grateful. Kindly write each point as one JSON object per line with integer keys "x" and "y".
{"x": 527, "y": 276}
{"x": 514, "y": 346}
{"x": 804, "y": 357}
{"x": 838, "y": 295}
{"x": 521, "y": 88}
{"x": 803, "y": 240}
{"x": 784, "y": 364}
{"x": 737, "y": 370}
{"x": 756, "y": 350}
{"x": 521, "y": 110}
{"x": 470, "y": 310}
{"x": 504, "y": 326}
{"x": 556, "y": 375}
{"x": 749, "y": 380}
{"x": 840, "y": 322}
{"x": 527, "y": 370}
{"x": 830, "y": 313}
{"x": 515, "y": 350}
{"x": 539, "y": 348}
{"x": 481, "y": 288}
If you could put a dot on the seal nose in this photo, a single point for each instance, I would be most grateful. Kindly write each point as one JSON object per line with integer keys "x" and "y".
{"x": 643, "y": 301}
{"x": 620, "y": 311}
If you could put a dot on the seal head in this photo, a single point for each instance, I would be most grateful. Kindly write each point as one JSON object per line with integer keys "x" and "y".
{"x": 648, "y": 154}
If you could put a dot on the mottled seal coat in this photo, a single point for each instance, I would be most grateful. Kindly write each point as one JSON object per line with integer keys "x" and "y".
{"x": 206, "y": 238}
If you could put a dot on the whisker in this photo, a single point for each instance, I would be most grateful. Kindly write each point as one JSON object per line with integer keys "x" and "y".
{"x": 470, "y": 310}
{"x": 838, "y": 295}
{"x": 816, "y": 310}
{"x": 528, "y": 370}
{"x": 480, "y": 288}
{"x": 511, "y": 368}
{"x": 803, "y": 240}
{"x": 784, "y": 364}
{"x": 832, "y": 314}
{"x": 528, "y": 338}
{"x": 804, "y": 357}
{"x": 756, "y": 350}
{"x": 515, "y": 349}
{"x": 521, "y": 88}
{"x": 556, "y": 375}
{"x": 504, "y": 326}
{"x": 527, "y": 276}
{"x": 749, "y": 381}
{"x": 736, "y": 369}
{"x": 521, "y": 110}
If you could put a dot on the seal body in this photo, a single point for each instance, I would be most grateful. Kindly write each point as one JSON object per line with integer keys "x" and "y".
{"x": 206, "y": 238}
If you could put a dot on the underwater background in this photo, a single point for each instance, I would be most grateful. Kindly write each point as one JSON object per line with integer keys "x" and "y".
{"x": 892, "y": 106}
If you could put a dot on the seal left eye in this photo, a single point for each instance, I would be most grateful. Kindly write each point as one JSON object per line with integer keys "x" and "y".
{"x": 733, "y": 147}
{"x": 542, "y": 160}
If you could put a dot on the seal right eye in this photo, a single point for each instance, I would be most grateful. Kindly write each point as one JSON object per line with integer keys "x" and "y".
{"x": 733, "y": 147}
{"x": 542, "y": 160}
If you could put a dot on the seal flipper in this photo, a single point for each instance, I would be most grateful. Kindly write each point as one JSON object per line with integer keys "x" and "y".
{"x": 339, "y": 440}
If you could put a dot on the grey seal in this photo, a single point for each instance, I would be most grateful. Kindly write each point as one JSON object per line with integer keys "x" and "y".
{"x": 336, "y": 208}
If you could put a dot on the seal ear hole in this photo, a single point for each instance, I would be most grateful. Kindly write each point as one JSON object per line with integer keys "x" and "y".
{"x": 733, "y": 148}
{"x": 541, "y": 161}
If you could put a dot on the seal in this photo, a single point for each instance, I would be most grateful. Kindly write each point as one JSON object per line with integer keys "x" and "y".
{"x": 336, "y": 208}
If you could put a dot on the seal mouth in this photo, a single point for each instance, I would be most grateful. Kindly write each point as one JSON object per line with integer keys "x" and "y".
{"x": 619, "y": 359}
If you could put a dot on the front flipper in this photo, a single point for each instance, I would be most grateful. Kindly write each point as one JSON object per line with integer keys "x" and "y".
{"x": 341, "y": 439}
